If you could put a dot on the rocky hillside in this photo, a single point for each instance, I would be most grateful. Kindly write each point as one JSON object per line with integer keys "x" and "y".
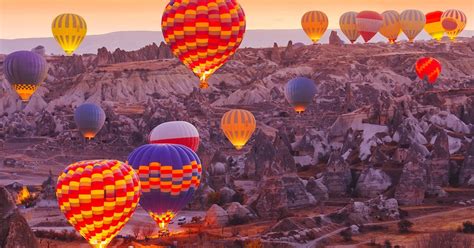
{"x": 374, "y": 128}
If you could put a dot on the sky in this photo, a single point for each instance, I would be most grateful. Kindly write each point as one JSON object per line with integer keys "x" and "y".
{"x": 32, "y": 18}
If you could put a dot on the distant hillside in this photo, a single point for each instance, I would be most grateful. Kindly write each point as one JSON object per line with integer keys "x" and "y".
{"x": 133, "y": 40}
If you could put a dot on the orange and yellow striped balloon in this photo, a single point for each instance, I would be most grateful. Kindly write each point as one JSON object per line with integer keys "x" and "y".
{"x": 348, "y": 25}
{"x": 433, "y": 25}
{"x": 203, "y": 34}
{"x": 412, "y": 21}
{"x": 98, "y": 197}
{"x": 453, "y": 21}
{"x": 391, "y": 26}
{"x": 314, "y": 24}
{"x": 69, "y": 31}
{"x": 238, "y": 126}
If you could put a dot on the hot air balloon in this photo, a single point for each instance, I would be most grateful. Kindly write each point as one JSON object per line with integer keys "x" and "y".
{"x": 391, "y": 26}
{"x": 348, "y": 25}
{"x": 25, "y": 71}
{"x": 69, "y": 31}
{"x": 453, "y": 22}
{"x": 176, "y": 132}
{"x": 98, "y": 197}
{"x": 433, "y": 25}
{"x": 300, "y": 92}
{"x": 238, "y": 126}
{"x": 314, "y": 24}
{"x": 429, "y": 68}
{"x": 89, "y": 118}
{"x": 169, "y": 175}
{"x": 203, "y": 34}
{"x": 412, "y": 21}
{"x": 368, "y": 24}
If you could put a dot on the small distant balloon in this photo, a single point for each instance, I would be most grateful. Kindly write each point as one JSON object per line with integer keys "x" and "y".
{"x": 391, "y": 26}
{"x": 238, "y": 126}
{"x": 412, "y": 21}
{"x": 89, "y": 118}
{"x": 176, "y": 132}
{"x": 69, "y": 31}
{"x": 300, "y": 92}
{"x": 428, "y": 68}
{"x": 433, "y": 25}
{"x": 368, "y": 24}
{"x": 314, "y": 24}
{"x": 348, "y": 25}
{"x": 453, "y": 21}
{"x": 25, "y": 71}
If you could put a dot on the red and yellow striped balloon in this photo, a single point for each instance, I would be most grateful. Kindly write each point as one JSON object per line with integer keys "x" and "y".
{"x": 98, "y": 197}
{"x": 203, "y": 34}
{"x": 429, "y": 68}
{"x": 453, "y": 21}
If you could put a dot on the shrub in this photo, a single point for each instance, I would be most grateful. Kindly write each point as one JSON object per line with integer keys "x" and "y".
{"x": 404, "y": 226}
{"x": 214, "y": 198}
{"x": 238, "y": 197}
{"x": 467, "y": 227}
{"x": 346, "y": 234}
{"x": 387, "y": 244}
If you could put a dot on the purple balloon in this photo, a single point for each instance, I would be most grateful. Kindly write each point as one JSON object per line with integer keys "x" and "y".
{"x": 25, "y": 67}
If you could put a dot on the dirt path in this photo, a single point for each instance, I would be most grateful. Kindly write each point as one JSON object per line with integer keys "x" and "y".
{"x": 314, "y": 242}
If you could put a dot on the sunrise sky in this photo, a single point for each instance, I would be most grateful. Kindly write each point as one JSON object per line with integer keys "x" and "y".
{"x": 32, "y": 18}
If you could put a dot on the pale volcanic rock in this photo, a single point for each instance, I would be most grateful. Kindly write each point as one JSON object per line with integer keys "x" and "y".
{"x": 334, "y": 39}
{"x": 14, "y": 230}
{"x": 372, "y": 182}
{"x": 216, "y": 217}
{"x": 226, "y": 194}
{"x": 412, "y": 185}
{"x": 237, "y": 212}
{"x": 337, "y": 176}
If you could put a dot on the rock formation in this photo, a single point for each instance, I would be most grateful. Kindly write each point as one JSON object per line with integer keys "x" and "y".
{"x": 216, "y": 217}
{"x": 334, "y": 39}
{"x": 372, "y": 182}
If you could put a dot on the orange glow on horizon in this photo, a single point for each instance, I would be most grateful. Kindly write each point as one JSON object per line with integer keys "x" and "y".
{"x": 32, "y": 18}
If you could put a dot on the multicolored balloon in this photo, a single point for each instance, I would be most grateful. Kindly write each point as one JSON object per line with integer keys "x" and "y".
{"x": 25, "y": 71}
{"x": 348, "y": 25}
{"x": 300, "y": 92}
{"x": 433, "y": 25}
{"x": 69, "y": 31}
{"x": 89, "y": 118}
{"x": 314, "y": 24}
{"x": 98, "y": 197}
{"x": 391, "y": 26}
{"x": 453, "y": 21}
{"x": 176, "y": 132}
{"x": 238, "y": 126}
{"x": 169, "y": 175}
{"x": 429, "y": 68}
{"x": 368, "y": 24}
{"x": 412, "y": 21}
{"x": 203, "y": 34}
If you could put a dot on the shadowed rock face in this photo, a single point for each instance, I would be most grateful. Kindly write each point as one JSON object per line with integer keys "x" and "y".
{"x": 337, "y": 176}
{"x": 14, "y": 231}
{"x": 413, "y": 182}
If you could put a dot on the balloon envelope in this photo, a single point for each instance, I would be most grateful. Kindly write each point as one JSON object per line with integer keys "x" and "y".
{"x": 300, "y": 92}
{"x": 169, "y": 175}
{"x": 348, "y": 25}
{"x": 314, "y": 24}
{"x": 368, "y": 24}
{"x": 391, "y": 26}
{"x": 98, "y": 197}
{"x": 89, "y": 118}
{"x": 412, "y": 21}
{"x": 176, "y": 132}
{"x": 429, "y": 68}
{"x": 433, "y": 25}
{"x": 69, "y": 31}
{"x": 25, "y": 71}
{"x": 453, "y": 21}
{"x": 238, "y": 126}
{"x": 203, "y": 34}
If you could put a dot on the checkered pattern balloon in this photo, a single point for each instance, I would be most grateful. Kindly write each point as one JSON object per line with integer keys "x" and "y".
{"x": 98, "y": 197}
{"x": 203, "y": 34}
{"x": 429, "y": 68}
{"x": 169, "y": 176}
